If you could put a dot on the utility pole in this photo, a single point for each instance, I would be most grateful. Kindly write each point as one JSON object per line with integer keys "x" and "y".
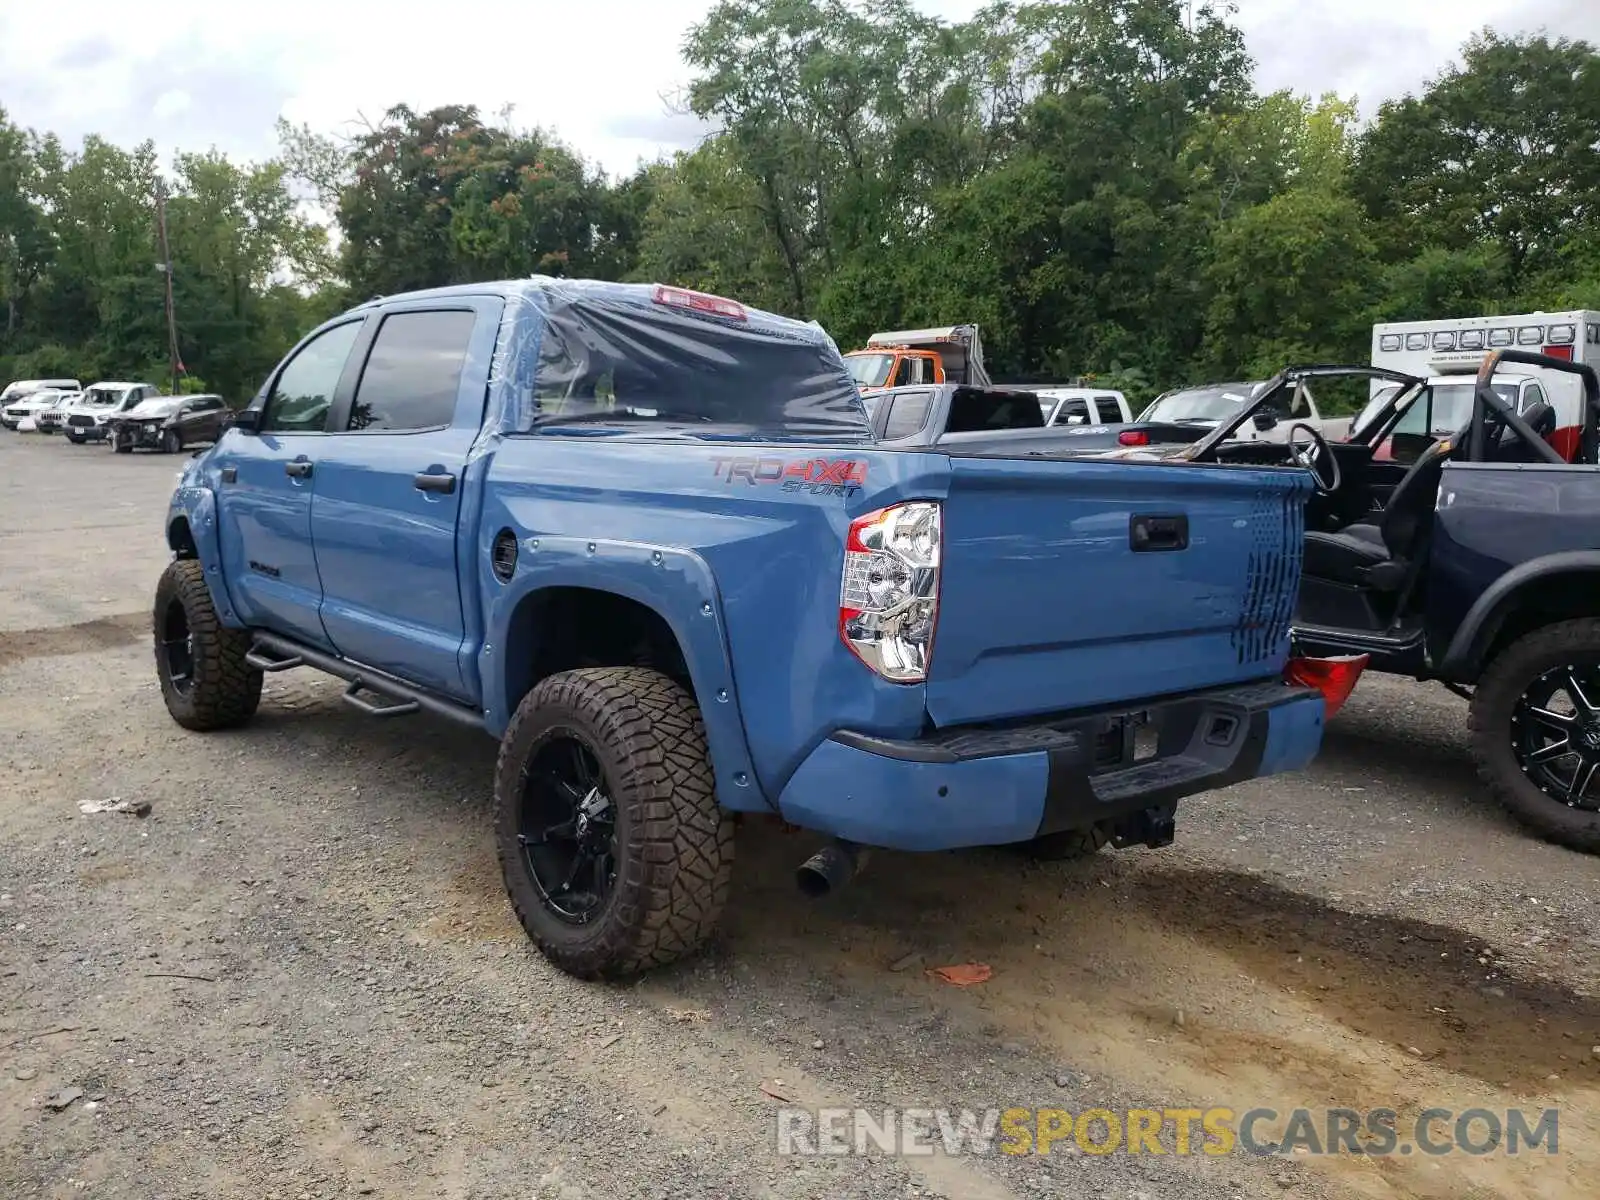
{"x": 166, "y": 269}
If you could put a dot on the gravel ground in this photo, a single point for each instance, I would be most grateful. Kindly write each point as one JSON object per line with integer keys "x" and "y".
{"x": 298, "y": 975}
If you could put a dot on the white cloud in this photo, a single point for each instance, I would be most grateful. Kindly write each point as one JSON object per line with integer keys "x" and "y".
{"x": 601, "y": 72}
{"x": 170, "y": 104}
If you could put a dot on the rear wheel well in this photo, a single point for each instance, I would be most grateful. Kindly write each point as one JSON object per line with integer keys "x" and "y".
{"x": 565, "y": 628}
{"x": 1537, "y": 603}
{"x": 181, "y": 539}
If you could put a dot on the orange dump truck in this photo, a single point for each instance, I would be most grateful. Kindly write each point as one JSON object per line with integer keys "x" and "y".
{"x": 952, "y": 354}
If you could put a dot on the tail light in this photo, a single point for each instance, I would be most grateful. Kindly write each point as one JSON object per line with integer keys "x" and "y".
{"x": 1133, "y": 437}
{"x": 1335, "y": 678}
{"x": 889, "y": 596}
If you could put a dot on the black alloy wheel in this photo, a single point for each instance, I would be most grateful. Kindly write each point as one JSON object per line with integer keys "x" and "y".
{"x": 1535, "y": 727}
{"x": 567, "y": 828}
{"x": 175, "y": 646}
{"x": 1555, "y": 734}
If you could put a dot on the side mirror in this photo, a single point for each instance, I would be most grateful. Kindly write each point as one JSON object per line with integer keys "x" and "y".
{"x": 246, "y": 420}
{"x": 1264, "y": 420}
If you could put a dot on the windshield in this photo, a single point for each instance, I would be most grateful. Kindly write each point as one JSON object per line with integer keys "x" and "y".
{"x": 870, "y": 370}
{"x": 1452, "y": 408}
{"x": 1374, "y": 406}
{"x": 1215, "y": 402}
{"x": 101, "y": 397}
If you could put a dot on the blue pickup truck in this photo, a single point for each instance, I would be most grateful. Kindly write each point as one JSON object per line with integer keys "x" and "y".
{"x": 644, "y": 536}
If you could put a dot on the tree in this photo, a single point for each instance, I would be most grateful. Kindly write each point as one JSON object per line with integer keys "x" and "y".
{"x": 1291, "y": 281}
{"x": 1504, "y": 149}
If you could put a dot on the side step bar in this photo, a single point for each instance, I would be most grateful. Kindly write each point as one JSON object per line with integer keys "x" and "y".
{"x": 274, "y": 653}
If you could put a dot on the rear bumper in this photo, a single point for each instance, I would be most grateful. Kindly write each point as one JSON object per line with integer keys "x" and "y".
{"x": 979, "y": 786}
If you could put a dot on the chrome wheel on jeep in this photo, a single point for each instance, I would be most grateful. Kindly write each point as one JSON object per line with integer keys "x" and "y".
{"x": 1555, "y": 734}
{"x": 1535, "y": 724}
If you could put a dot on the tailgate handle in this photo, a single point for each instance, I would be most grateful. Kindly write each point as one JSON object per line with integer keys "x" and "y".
{"x": 1148, "y": 533}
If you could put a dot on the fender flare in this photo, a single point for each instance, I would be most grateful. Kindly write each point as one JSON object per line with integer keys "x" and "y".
{"x": 194, "y": 509}
{"x": 676, "y": 584}
{"x": 1464, "y": 657}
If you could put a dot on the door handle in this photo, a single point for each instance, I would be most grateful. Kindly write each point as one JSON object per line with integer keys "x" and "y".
{"x": 1149, "y": 533}
{"x": 297, "y": 469}
{"x": 443, "y": 482}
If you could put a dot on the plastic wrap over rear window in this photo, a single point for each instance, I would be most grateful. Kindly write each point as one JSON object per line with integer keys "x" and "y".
{"x": 619, "y": 357}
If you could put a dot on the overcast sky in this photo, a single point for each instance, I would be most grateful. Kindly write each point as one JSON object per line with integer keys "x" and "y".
{"x": 198, "y": 73}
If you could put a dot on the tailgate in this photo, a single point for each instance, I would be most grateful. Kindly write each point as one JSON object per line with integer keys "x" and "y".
{"x": 1045, "y": 604}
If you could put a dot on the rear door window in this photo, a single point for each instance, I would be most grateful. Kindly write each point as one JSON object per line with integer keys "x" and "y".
{"x": 909, "y": 414}
{"x": 1074, "y": 411}
{"x": 413, "y": 374}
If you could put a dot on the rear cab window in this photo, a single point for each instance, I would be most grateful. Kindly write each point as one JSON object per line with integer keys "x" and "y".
{"x": 661, "y": 370}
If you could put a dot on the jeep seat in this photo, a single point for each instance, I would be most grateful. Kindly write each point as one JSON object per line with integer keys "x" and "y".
{"x": 1508, "y": 446}
{"x": 1377, "y": 554}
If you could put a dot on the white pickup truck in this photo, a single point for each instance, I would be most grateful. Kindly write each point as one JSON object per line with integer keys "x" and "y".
{"x": 1082, "y": 406}
{"x": 88, "y": 419}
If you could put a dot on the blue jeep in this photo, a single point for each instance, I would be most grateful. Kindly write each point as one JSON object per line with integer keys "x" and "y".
{"x": 645, "y": 538}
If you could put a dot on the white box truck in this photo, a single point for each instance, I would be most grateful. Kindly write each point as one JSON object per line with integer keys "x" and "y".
{"x": 1448, "y": 354}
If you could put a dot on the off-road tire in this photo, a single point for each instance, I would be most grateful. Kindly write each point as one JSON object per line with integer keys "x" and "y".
{"x": 1489, "y": 720}
{"x": 674, "y": 843}
{"x": 225, "y": 690}
{"x": 172, "y": 442}
{"x": 1067, "y": 844}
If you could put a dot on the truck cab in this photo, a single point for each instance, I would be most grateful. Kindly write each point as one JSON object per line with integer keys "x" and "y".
{"x": 952, "y": 354}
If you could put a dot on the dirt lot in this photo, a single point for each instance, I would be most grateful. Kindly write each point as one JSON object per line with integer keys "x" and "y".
{"x": 298, "y": 977}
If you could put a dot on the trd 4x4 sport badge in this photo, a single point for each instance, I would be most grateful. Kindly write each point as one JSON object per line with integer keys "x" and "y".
{"x": 818, "y": 476}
